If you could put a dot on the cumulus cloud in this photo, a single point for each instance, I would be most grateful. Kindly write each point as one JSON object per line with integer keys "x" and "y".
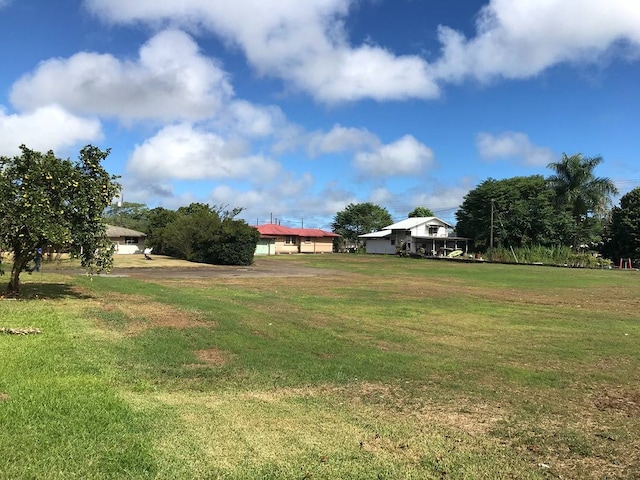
{"x": 340, "y": 139}
{"x": 187, "y": 153}
{"x": 405, "y": 157}
{"x": 513, "y": 146}
{"x": 250, "y": 120}
{"x": 520, "y": 38}
{"x": 306, "y": 43}
{"x": 45, "y": 128}
{"x": 291, "y": 197}
{"x": 252, "y": 202}
{"x": 302, "y": 42}
{"x": 170, "y": 80}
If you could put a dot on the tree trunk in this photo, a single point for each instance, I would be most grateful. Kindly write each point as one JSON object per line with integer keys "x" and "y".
{"x": 13, "y": 289}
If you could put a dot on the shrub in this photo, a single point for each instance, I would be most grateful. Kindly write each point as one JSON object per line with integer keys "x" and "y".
{"x": 235, "y": 244}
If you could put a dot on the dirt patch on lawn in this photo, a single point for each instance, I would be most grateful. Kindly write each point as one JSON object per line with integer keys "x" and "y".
{"x": 213, "y": 356}
{"x": 142, "y": 314}
{"x": 619, "y": 400}
{"x": 260, "y": 268}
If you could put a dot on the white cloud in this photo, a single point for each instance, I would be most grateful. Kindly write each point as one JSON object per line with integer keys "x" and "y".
{"x": 256, "y": 121}
{"x": 46, "y": 128}
{"x": 350, "y": 74}
{"x": 306, "y": 44}
{"x": 186, "y": 153}
{"x": 381, "y": 196}
{"x": 290, "y": 197}
{"x": 301, "y": 42}
{"x": 405, "y": 157}
{"x": 513, "y": 145}
{"x": 521, "y": 38}
{"x": 340, "y": 139}
{"x": 253, "y": 202}
{"x": 170, "y": 80}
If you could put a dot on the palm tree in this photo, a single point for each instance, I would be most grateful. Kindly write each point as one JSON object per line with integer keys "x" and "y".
{"x": 579, "y": 189}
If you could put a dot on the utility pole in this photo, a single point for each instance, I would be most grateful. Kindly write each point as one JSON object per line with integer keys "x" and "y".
{"x": 121, "y": 205}
{"x": 491, "y": 234}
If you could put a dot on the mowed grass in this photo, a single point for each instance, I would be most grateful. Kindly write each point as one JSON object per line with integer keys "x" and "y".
{"x": 382, "y": 367}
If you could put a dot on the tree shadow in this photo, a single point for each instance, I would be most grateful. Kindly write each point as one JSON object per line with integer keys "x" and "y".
{"x": 48, "y": 291}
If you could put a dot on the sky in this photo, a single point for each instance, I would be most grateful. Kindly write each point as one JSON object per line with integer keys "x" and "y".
{"x": 294, "y": 109}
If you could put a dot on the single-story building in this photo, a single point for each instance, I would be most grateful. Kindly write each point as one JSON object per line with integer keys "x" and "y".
{"x": 379, "y": 242}
{"x": 276, "y": 240}
{"x": 428, "y": 235}
{"x": 126, "y": 241}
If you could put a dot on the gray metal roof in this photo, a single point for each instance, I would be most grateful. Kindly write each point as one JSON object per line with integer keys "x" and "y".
{"x": 380, "y": 234}
{"x": 123, "y": 232}
{"x": 409, "y": 223}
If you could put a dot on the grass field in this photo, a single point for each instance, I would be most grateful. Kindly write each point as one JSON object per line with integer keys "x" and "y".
{"x": 387, "y": 368}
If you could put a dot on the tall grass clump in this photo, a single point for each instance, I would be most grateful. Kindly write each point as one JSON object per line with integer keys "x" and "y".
{"x": 556, "y": 255}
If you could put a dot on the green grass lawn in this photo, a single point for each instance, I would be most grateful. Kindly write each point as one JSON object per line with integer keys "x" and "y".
{"x": 388, "y": 368}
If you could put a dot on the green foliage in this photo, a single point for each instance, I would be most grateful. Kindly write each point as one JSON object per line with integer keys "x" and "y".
{"x": 204, "y": 234}
{"x": 191, "y": 233}
{"x": 159, "y": 218}
{"x": 235, "y": 243}
{"x": 624, "y": 228}
{"x": 129, "y": 215}
{"x": 421, "y": 212}
{"x": 558, "y": 255}
{"x": 49, "y": 202}
{"x": 524, "y": 214}
{"x": 581, "y": 193}
{"x": 360, "y": 218}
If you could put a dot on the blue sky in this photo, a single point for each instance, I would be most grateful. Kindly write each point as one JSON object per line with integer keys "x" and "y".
{"x": 292, "y": 110}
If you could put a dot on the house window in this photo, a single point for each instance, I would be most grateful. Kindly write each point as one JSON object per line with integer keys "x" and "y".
{"x": 130, "y": 240}
{"x": 290, "y": 240}
{"x": 433, "y": 230}
{"x": 393, "y": 241}
{"x": 307, "y": 240}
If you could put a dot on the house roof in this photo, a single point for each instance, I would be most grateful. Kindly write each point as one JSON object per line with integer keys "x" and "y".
{"x": 380, "y": 234}
{"x": 271, "y": 230}
{"x": 409, "y": 223}
{"x": 113, "y": 231}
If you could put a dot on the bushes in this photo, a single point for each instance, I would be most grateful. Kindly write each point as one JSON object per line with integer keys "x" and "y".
{"x": 235, "y": 244}
{"x": 560, "y": 255}
{"x": 199, "y": 233}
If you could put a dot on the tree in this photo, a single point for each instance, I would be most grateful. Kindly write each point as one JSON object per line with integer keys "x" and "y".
{"x": 50, "y": 201}
{"x": 200, "y": 233}
{"x": 129, "y": 215}
{"x": 159, "y": 218}
{"x": 582, "y": 193}
{"x": 624, "y": 228}
{"x": 235, "y": 243}
{"x": 524, "y": 214}
{"x": 189, "y": 235}
{"x": 358, "y": 219}
{"x": 421, "y": 212}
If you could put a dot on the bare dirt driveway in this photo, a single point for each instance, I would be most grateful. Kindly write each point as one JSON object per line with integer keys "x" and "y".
{"x": 260, "y": 268}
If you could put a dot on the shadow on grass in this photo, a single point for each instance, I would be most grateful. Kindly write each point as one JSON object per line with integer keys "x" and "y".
{"x": 48, "y": 291}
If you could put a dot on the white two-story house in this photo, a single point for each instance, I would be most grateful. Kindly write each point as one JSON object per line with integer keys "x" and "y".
{"x": 427, "y": 235}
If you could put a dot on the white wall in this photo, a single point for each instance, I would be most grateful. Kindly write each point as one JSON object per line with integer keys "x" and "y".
{"x": 381, "y": 246}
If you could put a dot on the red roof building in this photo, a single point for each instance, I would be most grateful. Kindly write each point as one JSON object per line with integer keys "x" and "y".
{"x": 278, "y": 239}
